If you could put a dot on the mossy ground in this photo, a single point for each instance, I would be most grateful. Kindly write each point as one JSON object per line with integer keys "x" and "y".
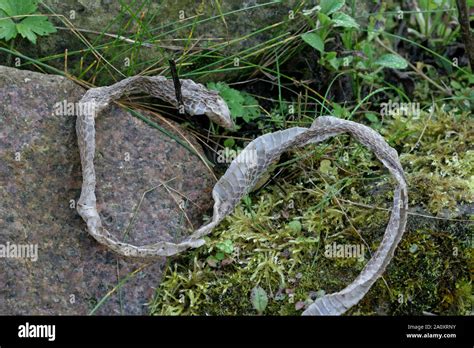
{"x": 338, "y": 192}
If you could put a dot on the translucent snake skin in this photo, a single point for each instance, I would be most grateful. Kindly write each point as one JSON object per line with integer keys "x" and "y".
{"x": 241, "y": 176}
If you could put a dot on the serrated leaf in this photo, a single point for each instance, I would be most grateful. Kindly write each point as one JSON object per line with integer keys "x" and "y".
{"x": 391, "y": 61}
{"x": 18, "y": 7}
{"x": 331, "y": 6}
{"x": 7, "y": 29}
{"x": 259, "y": 299}
{"x": 314, "y": 40}
{"x": 252, "y": 110}
{"x": 240, "y": 104}
{"x": 34, "y": 26}
{"x": 342, "y": 20}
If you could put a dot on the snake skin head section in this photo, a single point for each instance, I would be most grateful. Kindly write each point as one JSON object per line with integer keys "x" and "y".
{"x": 220, "y": 114}
{"x": 198, "y": 100}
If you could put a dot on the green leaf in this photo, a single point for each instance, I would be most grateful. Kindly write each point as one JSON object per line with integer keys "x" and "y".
{"x": 27, "y": 26}
{"x": 372, "y": 117}
{"x": 331, "y": 6}
{"x": 30, "y": 27}
{"x": 340, "y": 111}
{"x": 330, "y": 55}
{"x": 456, "y": 85}
{"x": 342, "y": 20}
{"x": 251, "y": 108}
{"x": 413, "y": 248}
{"x": 314, "y": 40}
{"x": 391, "y": 61}
{"x": 295, "y": 226}
{"x": 240, "y": 104}
{"x": 226, "y": 246}
{"x": 229, "y": 142}
{"x": 324, "y": 19}
{"x": 247, "y": 200}
{"x": 7, "y": 28}
{"x": 259, "y": 299}
{"x": 18, "y": 7}
{"x": 325, "y": 167}
{"x": 331, "y": 58}
{"x": 335, "y": 63}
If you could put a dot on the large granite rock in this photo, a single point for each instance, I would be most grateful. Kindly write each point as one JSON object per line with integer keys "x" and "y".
{"x": 40, "y": 179}
{"x": 175, "y": 19}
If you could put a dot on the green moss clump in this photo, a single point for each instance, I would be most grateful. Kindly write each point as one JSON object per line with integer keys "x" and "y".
{"x": 339, "y": 193}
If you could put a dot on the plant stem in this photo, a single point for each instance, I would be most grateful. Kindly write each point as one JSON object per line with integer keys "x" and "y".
{"x": 467, "y": 37}
{"x": 10, "y": 56}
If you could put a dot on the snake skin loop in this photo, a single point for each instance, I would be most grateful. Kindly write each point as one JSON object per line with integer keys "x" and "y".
{"x": 241, "y": 176}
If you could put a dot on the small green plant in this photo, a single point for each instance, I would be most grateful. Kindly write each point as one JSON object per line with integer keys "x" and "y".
{"x": 241, "y": 104}
{"x": 224, "y": 249}
{"x": 259, "y": 299}
{"x": 18, "y": 17}
{"x": 295, "y": 226}
{"x": 431, "y": 20}
{"x": 329, "y": 18}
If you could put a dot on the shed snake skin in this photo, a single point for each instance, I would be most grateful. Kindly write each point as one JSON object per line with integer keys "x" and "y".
{"x": 241, "y": 176}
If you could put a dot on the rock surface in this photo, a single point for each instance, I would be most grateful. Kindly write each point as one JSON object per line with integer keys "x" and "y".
{"x": 169, "y": 19}
{"x": 40, "y": 180}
